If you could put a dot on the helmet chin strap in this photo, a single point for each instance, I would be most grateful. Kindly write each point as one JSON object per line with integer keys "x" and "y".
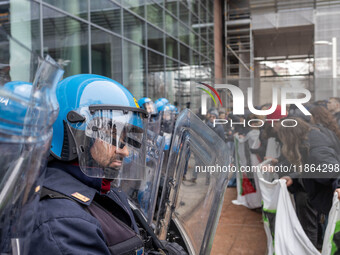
{"x": 111, "y": 171}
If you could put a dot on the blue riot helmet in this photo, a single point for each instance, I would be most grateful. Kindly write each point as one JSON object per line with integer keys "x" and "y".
{"x": 161, "y": 103}
{"x": 14, "y": 107}
{"x": 173, "y": 109}
{"x": 163, "y": 99}
{"x": 101, "y": 124}
{"x": 147, "y": 104}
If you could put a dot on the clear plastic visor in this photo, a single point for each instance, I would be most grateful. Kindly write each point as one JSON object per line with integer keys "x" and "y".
{"x": 150, "y": 107}
{"x": 108, "y": 140}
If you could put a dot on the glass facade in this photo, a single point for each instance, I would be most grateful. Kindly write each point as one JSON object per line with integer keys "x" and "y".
{"x": 155, "y": 48}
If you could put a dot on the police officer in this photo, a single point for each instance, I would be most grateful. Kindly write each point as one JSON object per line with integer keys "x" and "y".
{"x": 100, "y": 128}
{"x": 147, "y": 104}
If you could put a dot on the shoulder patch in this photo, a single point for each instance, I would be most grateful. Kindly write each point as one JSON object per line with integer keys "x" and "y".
{"x": 80, "y": 197}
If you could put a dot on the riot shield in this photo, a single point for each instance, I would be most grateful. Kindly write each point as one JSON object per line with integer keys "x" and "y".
{"x": 143, "y": 194}
{"x": 167, "y": 125}
{"x": 154, "y": 123}
{"x": 193, "y": 206}
{"x": 25, "y": 135}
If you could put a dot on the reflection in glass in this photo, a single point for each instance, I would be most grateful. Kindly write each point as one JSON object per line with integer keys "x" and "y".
{"x": 184, "y": 85}
{"x": 75, "y": 7}
{"x": 195, "y": 6}
{"x": 66, "y": 40}
{"x": 203, "y": 14}
{"x": 137, "y": 6}
{"x": 106, "y": 14}
{"x": 203, "y": 47}
{"x": 35, "y": 27}
{"x": 211, "y": 7}
{"x": 156, "y": 85}
{"x": 171, "y": 6}
{"x": 184, "y": 34}
{"x": 184, "y": 54}
{"x": 204, "y": 32}
{"x": 211, "y": 35}
{"x": 106, "y": 54}
{"x": 171, "y": 79}
{"x": 171, "y": 47}
{"x": 195, "y": 201}
{"x": 155, "y": 15}
{"x": 211, "y": 52}
{"x": 184, "y": 13}
{"x": 133, "y": 27}
{"x": 134, "y": 69}
{"x": 170, "y": 25}
{"x": 210, "y": 18}
{"x": 155, "y": 39}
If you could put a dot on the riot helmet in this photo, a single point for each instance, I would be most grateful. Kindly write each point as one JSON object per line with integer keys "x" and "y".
{"x": 161, "y": 103}
{"x": 147, "y": 104}
{"x": 101, "y": 125}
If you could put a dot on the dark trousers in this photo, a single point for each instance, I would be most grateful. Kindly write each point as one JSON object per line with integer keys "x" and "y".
{"x": 307, "y": 216}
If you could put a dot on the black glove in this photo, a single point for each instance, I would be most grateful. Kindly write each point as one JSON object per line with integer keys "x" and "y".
{"x": 174, "y": 248}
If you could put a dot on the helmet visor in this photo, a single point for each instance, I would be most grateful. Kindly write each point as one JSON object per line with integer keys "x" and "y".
{"x": 108, "y": 139}
{"x": 150, "y": 107}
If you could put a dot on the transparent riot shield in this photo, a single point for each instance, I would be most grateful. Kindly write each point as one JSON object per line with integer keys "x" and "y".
{"x": 155, "y": 123}
{"x": 193, "y": 205}
{"x": 25, "y": 134}
{"x": 143, "y": 194}
{"x": 167, "y": 125}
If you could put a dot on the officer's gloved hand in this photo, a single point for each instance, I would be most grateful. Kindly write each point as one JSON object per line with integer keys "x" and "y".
{"x": 174, "y": 248}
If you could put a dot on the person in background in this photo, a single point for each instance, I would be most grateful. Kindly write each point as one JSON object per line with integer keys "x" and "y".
{"x": 217, "y": 128}
{"x": 333, "y": 105}
{"x": 306, "y": 146}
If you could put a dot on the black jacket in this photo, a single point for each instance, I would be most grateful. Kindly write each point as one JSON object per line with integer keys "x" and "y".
{"x": 337, "y": 117}
{"x": 322, "y": 157}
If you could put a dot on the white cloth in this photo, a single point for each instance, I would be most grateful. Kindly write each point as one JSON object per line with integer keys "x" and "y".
{"x": 333, "y": 227}
{"x": 281, "y": 222}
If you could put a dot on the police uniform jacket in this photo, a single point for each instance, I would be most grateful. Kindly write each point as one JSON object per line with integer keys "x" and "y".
{"x": 64, "y": 225}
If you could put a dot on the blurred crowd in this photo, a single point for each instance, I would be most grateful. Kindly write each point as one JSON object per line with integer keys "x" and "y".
{"x": 309, "y": 143}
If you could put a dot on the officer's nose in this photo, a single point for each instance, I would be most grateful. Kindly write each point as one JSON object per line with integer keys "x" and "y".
{"x": 124, "y": 152}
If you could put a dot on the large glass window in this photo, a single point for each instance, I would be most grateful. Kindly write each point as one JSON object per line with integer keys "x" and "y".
{"x": 106, "y": 50}
{"x": 184, "y": 13}
{"x": 171, "y": 79}
{"x": 171, "y": 25}
{"x": 171, "y": 6}
{"x": 137, "y": 6}
{"x": 203, "y": 14}
{"x": 185, "y": 54}
{"x": 156, "y": 78}
{"x": 203, "y": 50}
{"x": 184, "y": 34}
{"x": 155, "y": 14}
{"x": 74, "y": 7}
{"x": 134, "y": 69}
{"x": 155, "y": 39}
{"x": 184, "y": 86}
{"x": 133, "y": 28}
{"x": 106, "y": 14}
{"x": 66, "y": 40}
{"x": 154, "y": 46}
{"x": 171, "y": 47}
{"x": 195, "y": 6}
